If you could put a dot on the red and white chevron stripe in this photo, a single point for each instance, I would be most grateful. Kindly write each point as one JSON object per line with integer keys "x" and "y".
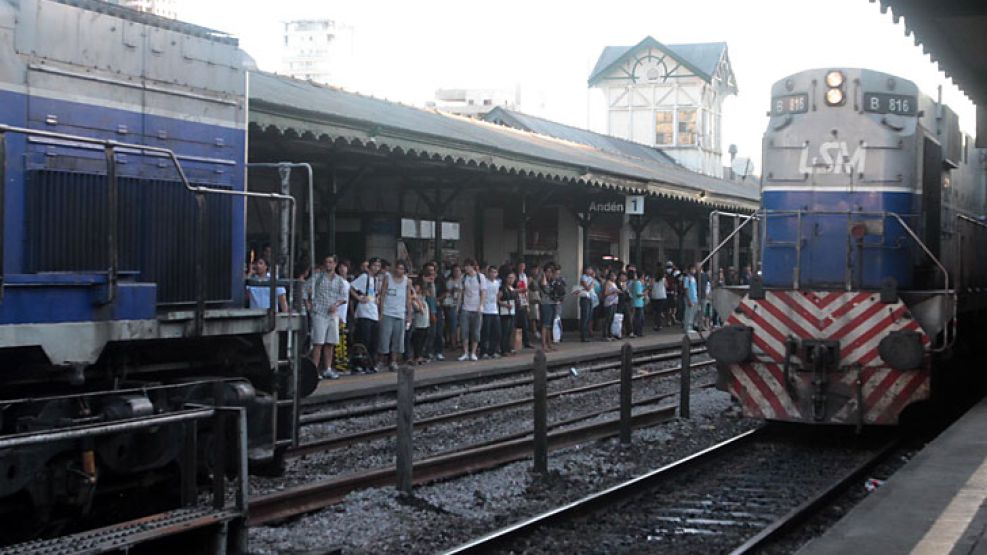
{"x": 858, "y": 320}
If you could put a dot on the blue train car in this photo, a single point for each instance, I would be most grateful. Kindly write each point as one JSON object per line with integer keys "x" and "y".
{"x": 122, "y": 166}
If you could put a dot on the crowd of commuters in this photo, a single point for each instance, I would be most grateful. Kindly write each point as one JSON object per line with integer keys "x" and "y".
{"x": 482, "y": 312}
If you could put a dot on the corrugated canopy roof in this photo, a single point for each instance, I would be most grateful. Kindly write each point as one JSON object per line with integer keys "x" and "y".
{"x": 952, "y": 32}
{"x": 701, "y": 58}
{"x": 558, "y": 130}
{"x": 328, "y": 113}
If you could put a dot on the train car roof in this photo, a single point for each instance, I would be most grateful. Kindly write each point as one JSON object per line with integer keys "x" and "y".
{"x": 153, "y": 20}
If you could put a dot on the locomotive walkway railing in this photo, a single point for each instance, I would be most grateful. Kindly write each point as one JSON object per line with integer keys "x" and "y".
{"x": 200, "y": 191}
{"x": 853, "y": 217}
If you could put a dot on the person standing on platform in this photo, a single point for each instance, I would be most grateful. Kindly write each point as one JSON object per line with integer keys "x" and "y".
{"x": 490, "y": 329}
{"x": 521, "y": 316}
{"x": 432, "y": 287}
{"x": 534, "y": 301}
{"x": 586, "y": 284}
{"x": 469, "y": 314}
{"x": 552, "y": 294}
{"x": 658, "y": 298}
{"x": 342, "y": 355}
{"x": 637, "y": 304}
{"x": 326, "y": 293}
{"x": 691, "y": 297}
{"x": 611, "y": 296}
{"x": 395, "y": 309}
{"x": 260, "y": 295}
{"x": 507, "y": 301}
{"x": 365, "y": 292}
{"x": 422, "y": 322}
{"x": 451, "y": 299}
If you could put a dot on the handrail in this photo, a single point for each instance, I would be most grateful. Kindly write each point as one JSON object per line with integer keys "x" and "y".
{"x": 948, "y": 338}
{"x": 198, "y": 190}
{"x": 723, "y": 243}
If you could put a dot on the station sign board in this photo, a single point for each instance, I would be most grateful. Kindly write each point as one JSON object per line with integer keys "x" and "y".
{"x": 615, "y": 204}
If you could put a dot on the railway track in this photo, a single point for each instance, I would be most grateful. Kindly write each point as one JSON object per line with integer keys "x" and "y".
{"x": 336, "y": 442}
{"x": 446, "y": 389}
{"x": 291, "y": 502}
{"x": 733, "y": 497}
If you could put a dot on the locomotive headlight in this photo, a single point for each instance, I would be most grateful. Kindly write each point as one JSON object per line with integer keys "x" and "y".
{"x": 834, "y": 79}
{"x": 834, "y": 97}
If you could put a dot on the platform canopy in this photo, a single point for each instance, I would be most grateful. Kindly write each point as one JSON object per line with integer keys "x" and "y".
{"x": 952, "y": 33}
{"x": 326, "y": 114}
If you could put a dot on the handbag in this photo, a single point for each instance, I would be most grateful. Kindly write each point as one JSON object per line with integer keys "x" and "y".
{"x": 617, "y": 326}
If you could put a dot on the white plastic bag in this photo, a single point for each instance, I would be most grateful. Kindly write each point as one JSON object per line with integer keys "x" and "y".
{"x": 557, "y": 330}
{"x": 617, "y": 326}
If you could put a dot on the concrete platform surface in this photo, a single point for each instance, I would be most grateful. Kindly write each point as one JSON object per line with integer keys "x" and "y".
{"x": 932, "y": 505}
{"x": 572, "y": 352}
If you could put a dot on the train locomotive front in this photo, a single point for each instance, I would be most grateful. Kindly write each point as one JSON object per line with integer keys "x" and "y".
{"x": 870, "y": 199}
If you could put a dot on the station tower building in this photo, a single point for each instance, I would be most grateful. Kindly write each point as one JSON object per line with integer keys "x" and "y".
{"x": 668, "y": 96}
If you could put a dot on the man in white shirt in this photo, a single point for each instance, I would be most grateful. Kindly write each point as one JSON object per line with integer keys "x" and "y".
{"x": 364, "y": 292}
{"x": 469, "y": 318}
{"x": 490, "y": 329}
{"x": 260, "y": 295}
{"x": 326, "y": 292}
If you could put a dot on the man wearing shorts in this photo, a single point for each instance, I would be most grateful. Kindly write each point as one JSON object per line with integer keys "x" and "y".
{"x": 469, "y": 318}
{"x": 395, "y": 310}
{"x": 326, "y": 292}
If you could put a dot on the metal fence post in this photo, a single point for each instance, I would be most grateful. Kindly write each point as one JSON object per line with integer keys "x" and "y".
{"x": 685, "y": 377}
{"x": 541, "y": 413}
{"x": 626, "y": 355}
{"x": 405, "y": 427}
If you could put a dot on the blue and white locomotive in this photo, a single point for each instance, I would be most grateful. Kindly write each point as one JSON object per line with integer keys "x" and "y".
{"x": 122, "y": 167}
{"x": 872, "y": 202}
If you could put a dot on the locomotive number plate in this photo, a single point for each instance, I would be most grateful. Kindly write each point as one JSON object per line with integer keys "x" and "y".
{"x": 790, "y": 104}
{"x": 883, "y": 103}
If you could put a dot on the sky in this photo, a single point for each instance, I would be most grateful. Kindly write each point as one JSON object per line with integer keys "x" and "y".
{"x": 405, "y": 50}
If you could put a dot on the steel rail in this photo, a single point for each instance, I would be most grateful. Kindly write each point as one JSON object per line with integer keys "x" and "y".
{"x": 654, "y": 400}
{"x": 812, "y": 506}
{"x": 603, "y": 498}
{"x": 336, "y": 442}
{"x": 613, "y": 361}
{"x": 273, "y": 507}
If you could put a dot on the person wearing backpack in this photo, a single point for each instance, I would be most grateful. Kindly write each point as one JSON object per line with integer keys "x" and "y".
{"x": 364, "y": 291}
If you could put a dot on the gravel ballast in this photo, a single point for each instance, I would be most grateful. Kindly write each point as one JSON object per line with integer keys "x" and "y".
{"x": 443, "y": 515}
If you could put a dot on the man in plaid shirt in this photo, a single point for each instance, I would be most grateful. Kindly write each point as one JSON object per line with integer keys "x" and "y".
{"x": 325, "y": 293}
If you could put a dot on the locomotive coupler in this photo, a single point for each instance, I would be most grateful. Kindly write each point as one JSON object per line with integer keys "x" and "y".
{"x": 820, "y": 356}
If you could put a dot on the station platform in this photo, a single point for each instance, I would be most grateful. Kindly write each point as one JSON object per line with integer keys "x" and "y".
{"x": 571, "y": 351}
{"x": 935, "y": 504}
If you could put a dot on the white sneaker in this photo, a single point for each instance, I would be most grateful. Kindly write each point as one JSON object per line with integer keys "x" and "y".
{"x": 330, "y": 374}
{"x": 440, "y": 356}
{"x": 473, "y": 358}
{"x": 465, "y": 357}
